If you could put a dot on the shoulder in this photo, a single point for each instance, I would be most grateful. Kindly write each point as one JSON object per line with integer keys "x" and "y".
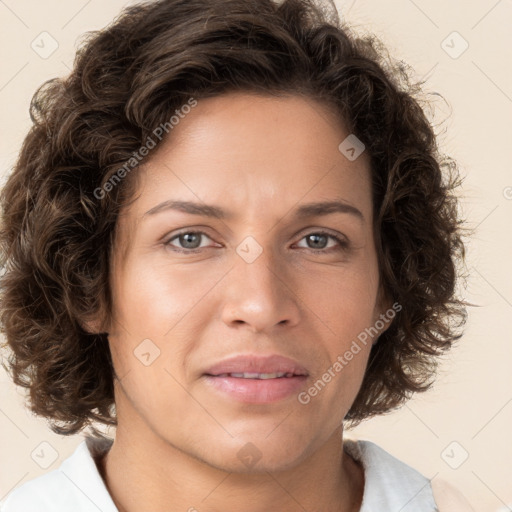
{"x": 392, "y": 484}
{"x": 76, "y": 485}
{"x": 41, "y": 494}
{"x": 381, "y": 467}
{"x": 449, "y": 498}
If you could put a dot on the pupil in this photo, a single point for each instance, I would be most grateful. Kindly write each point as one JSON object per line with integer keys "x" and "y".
{"x": 187, "y": 238}
{"x": 315, "y": 240}
{"x": 190, "y": 240}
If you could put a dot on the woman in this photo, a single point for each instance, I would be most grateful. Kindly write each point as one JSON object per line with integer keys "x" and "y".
{"x": 230, "y": 234}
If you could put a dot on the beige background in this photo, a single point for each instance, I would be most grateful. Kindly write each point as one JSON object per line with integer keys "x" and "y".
{"x": 471, "y": 403}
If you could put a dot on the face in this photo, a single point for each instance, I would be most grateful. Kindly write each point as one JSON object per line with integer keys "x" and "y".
{"x": 251, "y": 271}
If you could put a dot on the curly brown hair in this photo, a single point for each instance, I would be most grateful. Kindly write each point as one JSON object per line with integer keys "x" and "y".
{"x": 57, "y": 233}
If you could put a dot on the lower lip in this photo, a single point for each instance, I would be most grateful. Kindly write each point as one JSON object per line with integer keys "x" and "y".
{"x": 257, "y": 391}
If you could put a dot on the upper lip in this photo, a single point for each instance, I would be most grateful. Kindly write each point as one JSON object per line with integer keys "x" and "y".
{"x": 273, "y": 363}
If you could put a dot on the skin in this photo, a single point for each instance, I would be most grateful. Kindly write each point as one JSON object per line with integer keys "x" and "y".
{"x": 177, "y": 441}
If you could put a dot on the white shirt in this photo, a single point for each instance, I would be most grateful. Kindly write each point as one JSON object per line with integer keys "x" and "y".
{"x": 390, "y": 485}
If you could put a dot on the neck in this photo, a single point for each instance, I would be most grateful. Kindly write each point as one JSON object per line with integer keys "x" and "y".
{"x": 147, "y": 473}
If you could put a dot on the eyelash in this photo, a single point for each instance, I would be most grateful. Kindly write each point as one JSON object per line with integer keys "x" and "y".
{"x": 343, "y": 244}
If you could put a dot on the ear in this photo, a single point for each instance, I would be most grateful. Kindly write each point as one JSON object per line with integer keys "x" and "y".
{"x": 383, "y": 302}
{"x": 94, "y": 325}
{"x": 385, "y": 312}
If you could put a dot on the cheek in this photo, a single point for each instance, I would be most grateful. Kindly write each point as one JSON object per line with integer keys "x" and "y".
{"x": 343, "y": 300}
{"x": 151, "y": 299}
{"x": 159, "y": 313}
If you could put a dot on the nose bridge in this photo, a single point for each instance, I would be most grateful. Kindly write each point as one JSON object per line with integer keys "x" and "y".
{"x": 259, "y": 293}
{"x": 259, "y": 270}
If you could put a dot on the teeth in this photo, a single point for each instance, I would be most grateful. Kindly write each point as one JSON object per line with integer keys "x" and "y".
{"x": 257, "y": 375}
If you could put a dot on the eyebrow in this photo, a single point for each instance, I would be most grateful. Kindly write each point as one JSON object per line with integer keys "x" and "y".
{"x": 305, "y": 210}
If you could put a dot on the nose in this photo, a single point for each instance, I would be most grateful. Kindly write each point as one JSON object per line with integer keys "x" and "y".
{"x": 260, "y": 295}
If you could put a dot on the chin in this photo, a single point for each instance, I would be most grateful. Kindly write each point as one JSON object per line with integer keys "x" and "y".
{"x": 256, "y": 454}
{"x": 260, "y": 464}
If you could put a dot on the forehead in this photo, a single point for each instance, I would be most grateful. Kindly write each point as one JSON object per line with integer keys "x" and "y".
{"x": 251, "y": 153}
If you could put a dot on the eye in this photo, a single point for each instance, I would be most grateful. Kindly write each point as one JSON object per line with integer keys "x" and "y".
{"x": 190, "y": 241}
{"x": 318, "y": 240}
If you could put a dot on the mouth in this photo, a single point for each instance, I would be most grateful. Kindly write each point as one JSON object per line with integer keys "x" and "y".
{"x": 261, "y": 376}
{"x": 256, "y": 388}
{"x": 256, "y": 379}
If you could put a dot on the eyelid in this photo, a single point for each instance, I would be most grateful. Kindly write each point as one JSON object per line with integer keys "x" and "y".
{"x": 174, "y": 235}
{"x": 342, "y": 242}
